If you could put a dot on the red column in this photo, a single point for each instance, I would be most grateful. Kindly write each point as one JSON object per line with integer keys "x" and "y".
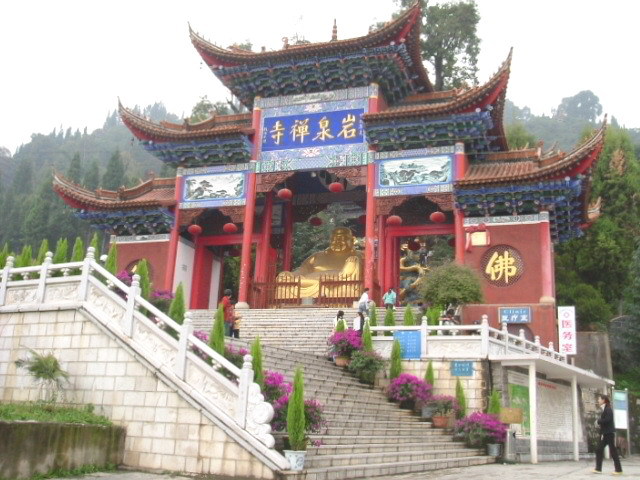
{"x": 381, "y": 252}
{"x": 265, "y": 244}
{"x": 370, "y": 230}
{"x": 388, "y": 262}
{"x": 249, "y": 212}
{"x": 201, "y": 278}
{"x": 172, "y": 254}
{"x": 288, "y": 236}
{"x": 546, "y": 261}
{"x": 460, "y": 169}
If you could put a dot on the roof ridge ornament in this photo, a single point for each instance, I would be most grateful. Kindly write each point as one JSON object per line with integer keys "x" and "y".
{"x": 334, "y": 32}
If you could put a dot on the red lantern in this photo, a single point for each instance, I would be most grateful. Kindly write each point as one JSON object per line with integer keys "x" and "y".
{"x": 285, "y": 194}
{"x": 194, "y": 230}
{"x": 413, "y": 246}
{"x": 229, "y": 228}
{"x": 315, "y": 221}
{"x": 336, "y": 187}
{"x": 437, "y": 217}
{"x": 394, "y": 220}
{"x": 452, "y": 242}
{"x": 362, "y": 219}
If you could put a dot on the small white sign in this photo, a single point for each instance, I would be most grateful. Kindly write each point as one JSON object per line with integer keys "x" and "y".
{"x": 620, "y": 409}
{"x": 567, "y": 330}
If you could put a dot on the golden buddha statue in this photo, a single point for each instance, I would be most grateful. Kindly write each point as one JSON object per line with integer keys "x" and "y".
{"x": 341, "y": 258}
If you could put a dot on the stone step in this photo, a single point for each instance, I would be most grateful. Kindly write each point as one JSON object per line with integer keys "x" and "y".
{"x": 320, "y": 461}
{"x": 356, "y": 439}
{"x": 384, "y": 469}
{"x": 417, "y": 429}
{"x": 438, "y": 443}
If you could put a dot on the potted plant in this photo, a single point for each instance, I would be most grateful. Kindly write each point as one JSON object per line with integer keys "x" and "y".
{"x": 365, "y": 365}
{"x": 443, "y": 407}
{"x": 408, "y": 389}
{"x": 482, "y": 430}
{"x": 344, "y": 344}
{"x": 296, "y": 424}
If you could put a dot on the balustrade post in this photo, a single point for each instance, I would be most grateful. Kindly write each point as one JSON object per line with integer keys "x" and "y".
{"x": 134, "y": 290}
{"x": 423, "y": 338}
{"x": 244, "y": 382}
{"x": 44, "y": 274}
{"x": 505, "y": 337}
{"x": 484, "y": 336}
{"x": 6, "y": 276}
{"x": 86, "y": 270}
{"x": 183, "y": 344}
{"x": 552, "y": 349}
{"x": 536, "y": 340}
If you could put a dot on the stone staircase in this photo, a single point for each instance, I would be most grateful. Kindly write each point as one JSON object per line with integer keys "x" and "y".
{"x": 297, "y": 329}
{"x": 366, "y": 435}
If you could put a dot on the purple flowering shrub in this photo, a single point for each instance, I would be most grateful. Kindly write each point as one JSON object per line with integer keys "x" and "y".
{"x": 444, "y": 404}
{"x": 161, "y": 299}
{"x": 275, "y": 386}
{"x": 406, "y": 387}
{"x": 345, "y": 343}
{"x": 125, "y": 277}
{"x": 481, "y": 428}
{"x": 234, "y": 354}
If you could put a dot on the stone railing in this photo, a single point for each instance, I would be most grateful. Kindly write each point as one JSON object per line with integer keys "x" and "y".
{"x": 466, "y": 341}
{"x": 187, "y": 361}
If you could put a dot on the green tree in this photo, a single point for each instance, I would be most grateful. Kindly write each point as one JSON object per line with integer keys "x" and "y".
{"x": 461, "y": 398}
{"x": 452, "y": 284}
{"x": 61, "y": 255}
{"x": 258, "y": 371}
{"x": 296, "y": 421}
{"x": 25, "y": 259}
{"x": 177, "y": 307}
{"x": 583, "y": 106}
{"x": 95, "y": 243}
{"x": 74, "y": 172}
{"x": 494, "y": 406}
{"x": 519, "y": 138}
{"x": 395, "y": 368}
{"x": 142, "y": 269}
{"x": 373, "y": 318}
{"x": 91, "y": 179}
{"x": 4, "y": 254}
{"x": 77, "y": 254}
{"x": 429, "y": 375}
{"x": 216, "y": 339}
{"x": 42, "y": 252}
{"x": 114, "y": 176}
{"x": 112, "y": 260}
{"x": 409, "y": 320}
{"x": 367, "y": 341}
{"x": 389, "y": 321}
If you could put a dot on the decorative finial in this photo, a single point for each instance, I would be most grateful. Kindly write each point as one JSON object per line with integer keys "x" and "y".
{"x": 334, "y": 33}
{"x": 285, "y": 43}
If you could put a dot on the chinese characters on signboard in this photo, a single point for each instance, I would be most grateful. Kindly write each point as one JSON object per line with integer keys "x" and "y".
{"x": 567, "y": 330}
{"x": 502, "y": 265}
{"x": 312, "y": 130}
{"x": 515, "y": 314}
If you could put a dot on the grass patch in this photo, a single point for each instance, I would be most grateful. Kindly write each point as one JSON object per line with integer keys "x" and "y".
{"x": 41, "y": 412}
{"x": 76, "y": 472}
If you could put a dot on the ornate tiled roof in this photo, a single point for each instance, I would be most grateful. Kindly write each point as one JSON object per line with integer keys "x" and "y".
{"x": 154, "y": 193}
{"x": 216, "y": 126}
{"x": 490, "y": 96}
{"x": 388, "y": 56}
{"x": 536, "y": 167}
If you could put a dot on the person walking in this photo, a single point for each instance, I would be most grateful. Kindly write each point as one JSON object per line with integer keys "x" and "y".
{"x": 363, "y": 307}
{"x": 389, "y": 299}
{"x": 227, "y": 308}
{"x": 607, "y": 436}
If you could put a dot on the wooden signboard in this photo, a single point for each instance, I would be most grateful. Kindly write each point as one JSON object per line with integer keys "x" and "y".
{"x": 511, "y": 415}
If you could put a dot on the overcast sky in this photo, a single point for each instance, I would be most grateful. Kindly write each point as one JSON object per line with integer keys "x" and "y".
{"x": 65, "y": 63}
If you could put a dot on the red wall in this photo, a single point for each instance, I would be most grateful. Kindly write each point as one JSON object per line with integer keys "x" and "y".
{"x": 156, "y": 254}
{"x": 526, "y": 291}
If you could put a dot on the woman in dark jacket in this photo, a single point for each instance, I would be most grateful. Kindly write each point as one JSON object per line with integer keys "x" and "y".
{"x": 607, "y": 436}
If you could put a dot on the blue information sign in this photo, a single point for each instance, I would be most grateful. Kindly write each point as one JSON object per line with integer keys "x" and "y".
{"x": 310, "y": 130}
{"x": 515, "y": 314}
{"x": 409, "y": 343}
{"x": 462, "y": 368}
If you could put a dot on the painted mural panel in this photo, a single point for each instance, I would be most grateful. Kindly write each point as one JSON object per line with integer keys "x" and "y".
{"x": 213, "y": 190}
{"x": 414, "y": 176}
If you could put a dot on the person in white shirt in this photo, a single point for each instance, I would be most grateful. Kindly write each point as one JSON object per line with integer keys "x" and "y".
{"x": 363, "y": 307}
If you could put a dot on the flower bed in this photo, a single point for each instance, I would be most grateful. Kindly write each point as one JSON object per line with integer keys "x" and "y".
{"x": 479, "y": 429}
{"x": 409, "y": 388}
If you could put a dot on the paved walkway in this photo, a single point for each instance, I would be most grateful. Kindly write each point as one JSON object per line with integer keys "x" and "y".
{"x": 524, "y": 471}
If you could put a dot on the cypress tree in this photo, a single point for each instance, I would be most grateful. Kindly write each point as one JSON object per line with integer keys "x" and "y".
{"x": 296, "y": 422}
{"x": 216, "y": 339}
{"x": 462, "y": 400}
{"x": 25, "y": 259}
{"x": 42, "y": 252}
{"x": 77, "y": 254}
{"x": 114, "y": 175}
{"x": 4, "y": 253}
{"x": 95, "y": 243}
{"x": 373, "y": 318}
{"x": 74, "y": 173}
{"x": 256, "y": 353}
{"x": 389, "y": 321}
{"x": 176, "y": 307}
{"x": 61, "y": 254}
{"x": 145, "y": 282}
{"x": 429, "y": 376}
{"x": 409, "y": 319}
{"x": 112, "y": 260}
{"x": 396, "y": 360}
{"x": 494, "y": 406}
{"x": 367, "y": 342}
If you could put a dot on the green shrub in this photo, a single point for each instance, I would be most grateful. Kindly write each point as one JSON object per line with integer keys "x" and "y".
{"x": 429, "y": 376}
{"x": 4, "y": 254}
{"x": 142, "y": 269}
{"x": 367, "y": 342}
{"x": 177, "y": 308}
{"x": 409, "y": 320}
{"x": 61, "y": 254}
{"x": 50, "y": 413}
{"x": 296, "y": 422}
{"x": 389, "y": 321}
{"x": 46, "y": 371}
{"x": 396, "y": 360}
{"x": 365, "y": 365}
{"x": 25, "y": 258}
{"x": 452, "y": 284}
{"x": 494, "y": 406}
{"x": 373, "y": 318}
{"x": 216, "y": 339}
{"x": 256, "y": 353}
{"x": 77, "y": 254}
{"x": 95, "y": 243}
{"x": 111, "y": 265}
{"x": 462, "y": 400}
{"x": 42, "y": 252}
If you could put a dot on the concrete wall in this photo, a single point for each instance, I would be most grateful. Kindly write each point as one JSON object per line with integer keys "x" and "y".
{"x": 30, "y": 448}
{"x": 594, "y": 353}
{"x": 164, "y": 430}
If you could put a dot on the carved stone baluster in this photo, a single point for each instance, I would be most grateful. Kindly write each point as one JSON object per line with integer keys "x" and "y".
{"x": 6, "y": 277}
